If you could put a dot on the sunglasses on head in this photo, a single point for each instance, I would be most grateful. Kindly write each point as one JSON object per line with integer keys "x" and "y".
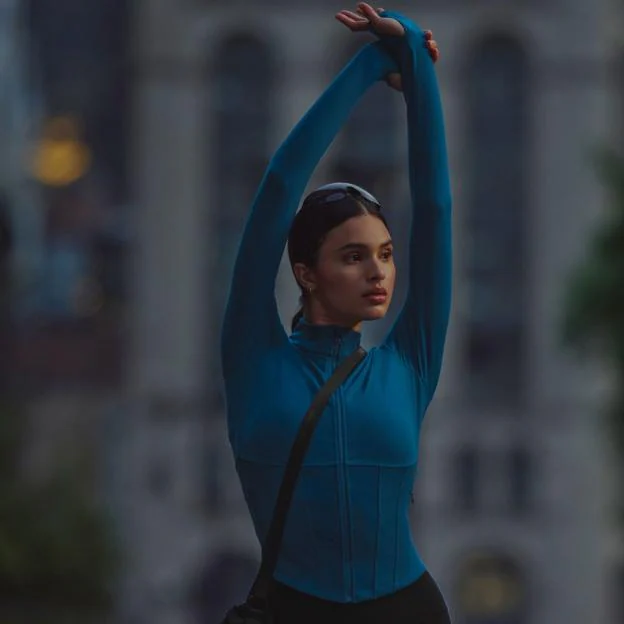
{"x": 337, "y": 191}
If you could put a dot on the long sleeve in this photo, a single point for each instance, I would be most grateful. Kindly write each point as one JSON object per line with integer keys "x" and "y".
{"x": 251, "y": 324}
{"x": 420, "y": 330}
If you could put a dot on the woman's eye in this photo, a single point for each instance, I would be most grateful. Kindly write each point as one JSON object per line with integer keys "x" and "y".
{"x": 354, "y": 257}
{"x": 386, "y": 255}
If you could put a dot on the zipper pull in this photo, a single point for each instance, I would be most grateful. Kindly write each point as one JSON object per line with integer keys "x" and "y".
{"x": 337, "y": 341}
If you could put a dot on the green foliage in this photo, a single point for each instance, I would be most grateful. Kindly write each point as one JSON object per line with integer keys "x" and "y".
{"x": 56, "y": 545}
{"x": 594, "y": 304}
{"x": 12, "y": 434}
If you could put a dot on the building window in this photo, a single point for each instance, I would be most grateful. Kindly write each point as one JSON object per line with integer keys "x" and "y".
{"x": 520, "y": 480}
{"x": 491, "y": 589}
{"x": 496, "y": 224}
{"x": 70, "y": 311}
{"x": 159, "y": 478}
{"x": 467, "y": 480}
{"x": 80, "y": 55}
{"x": 242, "y": 87}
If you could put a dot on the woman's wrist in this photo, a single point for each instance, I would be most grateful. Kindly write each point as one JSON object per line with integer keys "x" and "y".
{"x": 397, "y": 35}
{"x": 413, "y": 37}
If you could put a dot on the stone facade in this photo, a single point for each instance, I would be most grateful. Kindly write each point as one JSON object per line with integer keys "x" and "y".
{"x": 530, "y": 497}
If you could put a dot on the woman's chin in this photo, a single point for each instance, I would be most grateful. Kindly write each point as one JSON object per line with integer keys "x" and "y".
{"x": 374, "y": 313}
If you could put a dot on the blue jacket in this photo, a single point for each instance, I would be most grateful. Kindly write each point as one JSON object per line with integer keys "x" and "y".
{"x": 348, "y": 535}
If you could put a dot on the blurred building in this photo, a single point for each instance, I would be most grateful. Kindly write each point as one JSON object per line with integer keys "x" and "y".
{"x": 64, "y": 232}
{"x": 512, "y": 506}
{"x": 19, "y": 108}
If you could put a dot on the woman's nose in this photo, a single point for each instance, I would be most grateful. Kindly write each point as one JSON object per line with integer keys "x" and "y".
{"x": 378, "y": 272}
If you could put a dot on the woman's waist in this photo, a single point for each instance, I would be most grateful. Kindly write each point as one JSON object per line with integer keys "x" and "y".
{"x": 356, "y": 545}
{"x": 359, "y": 547}
{"x": 340, "y": 579}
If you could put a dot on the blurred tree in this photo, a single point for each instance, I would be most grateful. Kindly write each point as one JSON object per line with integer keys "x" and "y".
{"x": 56, "y": 546}
{"x": 594, "y": 304}
{"x": 5, "y": 329}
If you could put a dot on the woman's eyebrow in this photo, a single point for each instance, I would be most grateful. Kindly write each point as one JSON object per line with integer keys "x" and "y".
{"x": 362, "y": 245}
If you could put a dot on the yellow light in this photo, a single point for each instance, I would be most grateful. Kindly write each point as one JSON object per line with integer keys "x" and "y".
{"x": 60, "y": 158}
{"x": 486, "y": 589}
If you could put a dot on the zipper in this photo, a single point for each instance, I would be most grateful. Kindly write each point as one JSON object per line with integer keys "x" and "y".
{"x": 347, "y": 561}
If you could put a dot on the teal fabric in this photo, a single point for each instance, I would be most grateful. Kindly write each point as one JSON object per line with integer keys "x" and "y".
{"x": 348, "y": 534}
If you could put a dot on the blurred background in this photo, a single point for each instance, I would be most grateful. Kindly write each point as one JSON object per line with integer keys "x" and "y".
{"x": 134, "y": 134}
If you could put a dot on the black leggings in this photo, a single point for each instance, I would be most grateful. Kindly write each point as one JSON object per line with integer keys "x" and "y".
{"x": 419, "y": 603}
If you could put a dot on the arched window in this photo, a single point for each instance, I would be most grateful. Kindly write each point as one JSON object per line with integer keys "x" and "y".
{"x": 468, "y": 477}
{"x": 496, "y": 225}
{"x": 491, "y": 589}
{"x": 241, "y": 95}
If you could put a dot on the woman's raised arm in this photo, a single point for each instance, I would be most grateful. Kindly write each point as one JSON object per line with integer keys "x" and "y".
{"x": 420, "y": 330}
{"x": 252, "y": 325}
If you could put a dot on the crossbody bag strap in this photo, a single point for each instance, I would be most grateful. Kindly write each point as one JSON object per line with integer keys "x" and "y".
{"x": 260, "y": 588}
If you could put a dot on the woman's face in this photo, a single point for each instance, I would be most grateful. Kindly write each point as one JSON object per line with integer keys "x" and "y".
{"x": 354, "y": 278}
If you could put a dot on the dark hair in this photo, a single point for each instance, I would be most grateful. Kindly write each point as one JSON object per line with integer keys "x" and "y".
{"x": 322, "y": 210}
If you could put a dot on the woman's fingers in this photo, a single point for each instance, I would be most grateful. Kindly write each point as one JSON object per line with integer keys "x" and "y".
{"x": 368, "y": 12}
{"x": 377, "y": 10}
{"x": 434, "y": 52}
{"x": 367, "y": 18}
{"x": 355, "y": 16}
{"x": 352, "y": 20}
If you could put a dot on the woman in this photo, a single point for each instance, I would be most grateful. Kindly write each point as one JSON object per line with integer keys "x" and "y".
{"x": 347, "y": 550}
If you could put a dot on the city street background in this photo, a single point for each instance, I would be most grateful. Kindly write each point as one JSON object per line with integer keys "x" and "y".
{"x": 133, "y": 136}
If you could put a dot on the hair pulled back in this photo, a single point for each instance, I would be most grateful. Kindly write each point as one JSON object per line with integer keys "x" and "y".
{"x": 322, "y": 210}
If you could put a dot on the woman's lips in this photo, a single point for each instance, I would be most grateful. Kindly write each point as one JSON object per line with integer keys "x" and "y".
{"x": 377, "y": 298}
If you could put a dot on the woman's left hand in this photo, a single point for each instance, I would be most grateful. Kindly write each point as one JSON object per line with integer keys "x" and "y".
{"x": 367, "y": 18}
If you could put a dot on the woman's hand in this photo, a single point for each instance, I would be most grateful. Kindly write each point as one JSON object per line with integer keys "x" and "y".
{"x": 367, "y": 18}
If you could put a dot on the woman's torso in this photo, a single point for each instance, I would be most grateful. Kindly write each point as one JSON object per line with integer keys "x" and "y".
{"x": 348, "y": 536}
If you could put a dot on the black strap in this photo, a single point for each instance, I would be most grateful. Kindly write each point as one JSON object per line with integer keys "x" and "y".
{"x": 260, "y": 588}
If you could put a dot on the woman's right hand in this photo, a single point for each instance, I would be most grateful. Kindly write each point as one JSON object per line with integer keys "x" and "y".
{"x": 367, "y": 18}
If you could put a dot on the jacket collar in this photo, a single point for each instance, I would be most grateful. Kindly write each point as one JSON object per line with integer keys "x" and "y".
{"x": 329, "y": 340}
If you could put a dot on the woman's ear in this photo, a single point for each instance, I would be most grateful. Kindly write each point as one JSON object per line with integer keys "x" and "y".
{"x": 304, "y": 276}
